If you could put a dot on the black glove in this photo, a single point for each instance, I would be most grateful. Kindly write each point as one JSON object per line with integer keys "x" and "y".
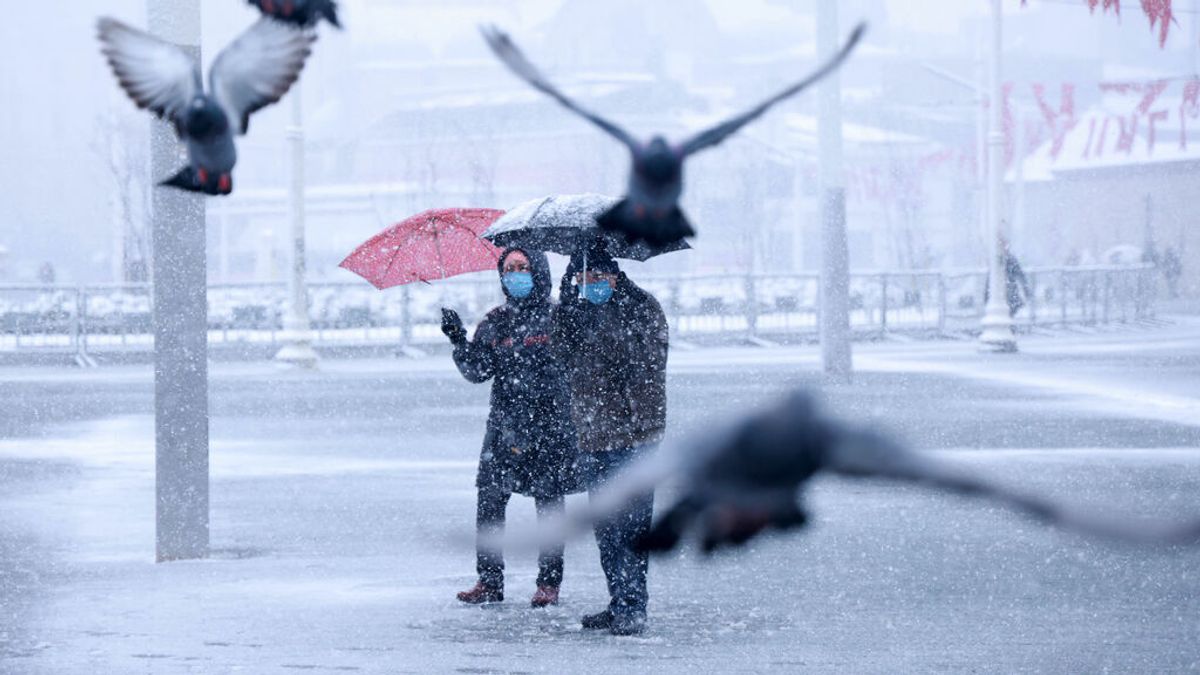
{"x": 452, "y": 326}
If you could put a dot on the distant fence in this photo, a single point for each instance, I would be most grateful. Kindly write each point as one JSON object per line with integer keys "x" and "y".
{"x": 97, "y": 319}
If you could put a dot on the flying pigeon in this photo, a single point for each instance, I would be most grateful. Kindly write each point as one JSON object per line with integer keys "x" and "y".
{"x": 254, "y": 71}
{"x": 302, "y": 13}
{"x": 650, "y": 209}
{"x": 749, "y": 479}
{"x": 736, "y": 482}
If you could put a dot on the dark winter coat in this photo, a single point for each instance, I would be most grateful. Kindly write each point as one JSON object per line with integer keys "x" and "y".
{"x": 617, "y": 354}
{"x": 529, "y": 447}
{"x": 1016, "y": 286}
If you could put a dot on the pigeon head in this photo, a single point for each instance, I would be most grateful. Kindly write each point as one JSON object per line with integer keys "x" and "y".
{"x": 658, "y": 162}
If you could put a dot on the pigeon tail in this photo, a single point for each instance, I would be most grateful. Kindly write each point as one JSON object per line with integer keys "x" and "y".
{"x": 328, "y": 9}
{"x": 190, "y": 179}
{"x": 185, "y": 179}
{"x": 636, "y": 223}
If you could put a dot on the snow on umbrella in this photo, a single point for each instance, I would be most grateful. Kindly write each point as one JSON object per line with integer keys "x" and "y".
{"x": 564, "y": 224}
{"x": 434, "y": 244}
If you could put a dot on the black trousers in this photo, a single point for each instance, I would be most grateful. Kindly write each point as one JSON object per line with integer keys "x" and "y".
{"x": 489, "y": 519}
{"x": 625, "y": 567}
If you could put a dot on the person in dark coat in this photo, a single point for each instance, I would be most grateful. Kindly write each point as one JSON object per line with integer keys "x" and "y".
{"x": 1172, "y": 269}
{"x": 1016, "y": 284}
{"x": 530, "y": 446}
{"x": 614, "y": 340}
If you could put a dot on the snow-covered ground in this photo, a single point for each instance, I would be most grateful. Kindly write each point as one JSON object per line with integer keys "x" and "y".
{"x": 342, "y": 504}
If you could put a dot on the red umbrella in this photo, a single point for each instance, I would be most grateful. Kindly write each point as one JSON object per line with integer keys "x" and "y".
{"x": 435, "y": 244}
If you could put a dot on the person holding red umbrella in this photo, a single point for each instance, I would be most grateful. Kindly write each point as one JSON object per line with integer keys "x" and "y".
{"x": 529, "y": 447}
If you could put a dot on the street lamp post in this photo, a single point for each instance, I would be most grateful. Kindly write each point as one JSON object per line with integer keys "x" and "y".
{"x": 836, "y": 357}
{"x": 297, "y": 349}
{"x": 997, "y": 330}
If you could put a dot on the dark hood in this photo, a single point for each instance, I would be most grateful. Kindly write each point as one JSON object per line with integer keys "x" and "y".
{"x": 540, "y": 268}
{"x": 598, "y": 260}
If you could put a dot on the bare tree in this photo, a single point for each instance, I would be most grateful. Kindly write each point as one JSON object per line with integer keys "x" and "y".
{"x": 482, "y": 158}
{"x": 120, "y": 143}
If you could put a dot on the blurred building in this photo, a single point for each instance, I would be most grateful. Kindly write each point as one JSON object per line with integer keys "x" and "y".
{"x": 407, "y": 110}
{"x": 444, "y": 124}
{"x": 1118, "y": 176}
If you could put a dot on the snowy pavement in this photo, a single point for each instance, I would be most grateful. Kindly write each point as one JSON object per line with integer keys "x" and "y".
{"x": 342, "y": 504}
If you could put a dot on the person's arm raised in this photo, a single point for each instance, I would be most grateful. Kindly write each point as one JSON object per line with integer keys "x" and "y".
{"x": 476, "y": 359}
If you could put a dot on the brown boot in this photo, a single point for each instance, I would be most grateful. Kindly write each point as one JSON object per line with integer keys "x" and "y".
{"x": 546, "y": 595}
{"x": 481, "y": 594}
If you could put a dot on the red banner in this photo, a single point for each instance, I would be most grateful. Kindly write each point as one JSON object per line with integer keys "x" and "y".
{"x": 1158, "y": 11}
{"x": 1127, "y": 119}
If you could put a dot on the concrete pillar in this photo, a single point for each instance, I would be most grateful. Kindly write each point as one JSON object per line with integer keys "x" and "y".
{"x": 180, "y": 326}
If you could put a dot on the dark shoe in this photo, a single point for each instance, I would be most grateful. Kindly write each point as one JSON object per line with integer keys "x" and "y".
{"x": 597, "y": 621}
{"x": 546, "y": 595}
{"x": 628, "y": 623}
{"x": 481, "y": 594}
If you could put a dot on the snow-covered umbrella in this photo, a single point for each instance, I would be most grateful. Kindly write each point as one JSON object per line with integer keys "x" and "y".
{"x": 567, "y": 223}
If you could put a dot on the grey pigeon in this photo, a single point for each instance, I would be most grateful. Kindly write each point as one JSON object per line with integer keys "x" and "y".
{"x": 749, "y": 478}
{"x": 650, "y": 209}
{"x": 302, "y": 13}
{"x": 254, "y": 71}
{"x": 736, "y": 482}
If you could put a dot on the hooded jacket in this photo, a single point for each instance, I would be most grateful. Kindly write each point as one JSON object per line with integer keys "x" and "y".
{"x": 529, "y": 447}
{"x": 617, "y": 356}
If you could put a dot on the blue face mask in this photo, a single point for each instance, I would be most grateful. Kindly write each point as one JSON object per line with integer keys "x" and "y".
{"x": 598, "y": 293}
{"x": 518, "y": 284}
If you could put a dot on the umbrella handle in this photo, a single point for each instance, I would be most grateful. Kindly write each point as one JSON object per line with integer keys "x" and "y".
{"x": 437, "y": 247}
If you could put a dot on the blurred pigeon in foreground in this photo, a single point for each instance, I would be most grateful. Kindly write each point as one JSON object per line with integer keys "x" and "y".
{"x": 749, "y": 478}
{"x": 742, "y": 480}
{"x": 302, "y": 13}
{"x": 254, "y": 71}
{"x": 650, "y": 210}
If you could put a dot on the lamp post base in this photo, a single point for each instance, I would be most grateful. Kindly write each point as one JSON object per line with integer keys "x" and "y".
{"x": 997, "y": 345}
{"x": 997, "y": 336}
{"x": 297, "y": 352}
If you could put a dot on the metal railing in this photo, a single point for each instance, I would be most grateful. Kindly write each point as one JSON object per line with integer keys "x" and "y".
{"x": 111, "y": 318}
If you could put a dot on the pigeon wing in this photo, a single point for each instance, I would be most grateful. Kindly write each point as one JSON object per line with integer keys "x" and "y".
{"x": 508, "y": 52}
{"x": 720, "y": 132}
{"x": 867, "y": 455}
{"x": 258, "y": 68}
{"x": 157, "y": 75}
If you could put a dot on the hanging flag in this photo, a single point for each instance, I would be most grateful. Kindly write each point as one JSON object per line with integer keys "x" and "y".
{"x": 1159, "y": 11}
{"x": 1105, "y": 5}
